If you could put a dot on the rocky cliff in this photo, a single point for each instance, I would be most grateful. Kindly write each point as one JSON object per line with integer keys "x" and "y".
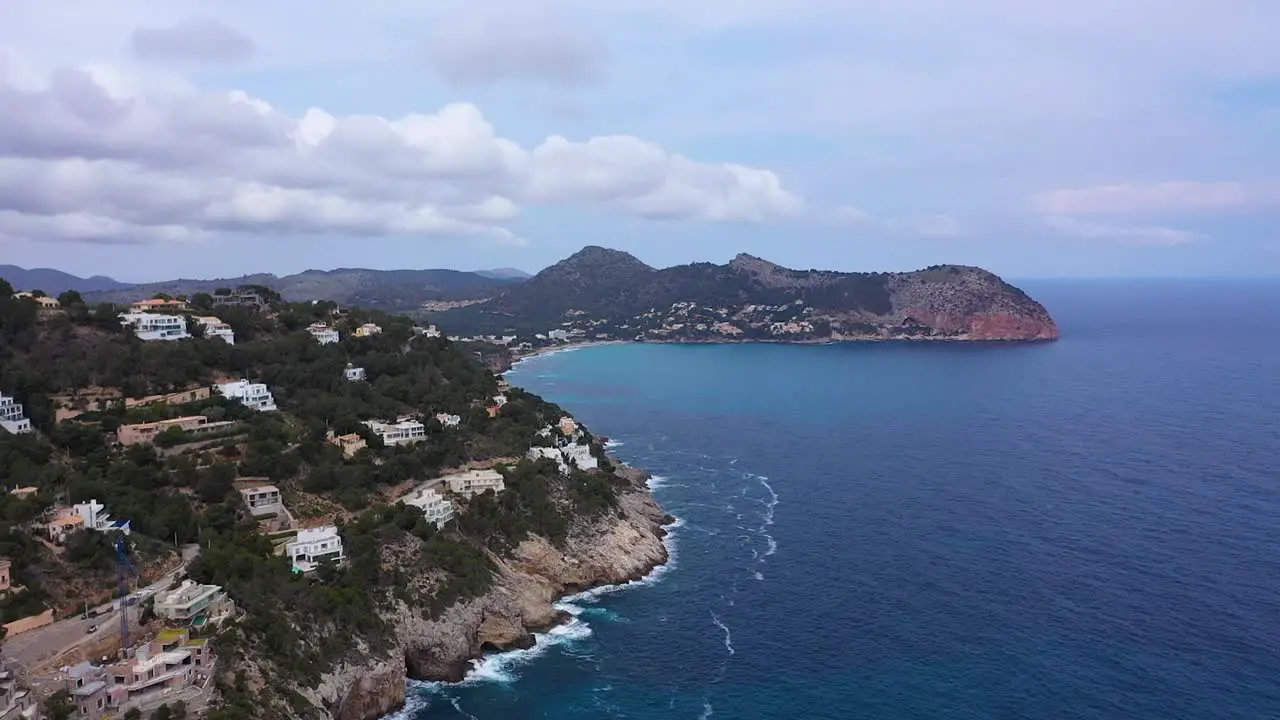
{"x": 613, "y": 548}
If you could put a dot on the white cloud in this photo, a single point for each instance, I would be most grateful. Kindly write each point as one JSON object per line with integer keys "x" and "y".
{"x": 133, "y": 162}
{"x": 1128, "y": 235}
{"x": 1160, "y": 198}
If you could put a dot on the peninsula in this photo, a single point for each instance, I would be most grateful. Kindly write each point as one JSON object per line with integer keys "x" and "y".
{"x": 599, "y": 294}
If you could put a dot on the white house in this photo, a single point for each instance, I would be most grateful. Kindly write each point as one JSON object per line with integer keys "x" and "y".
{"x": 253, "y": 395}
{"x": 368, "y": 329}
{"x": 475, "y": 482}
{"x": 448, "y": 420}
{"x": 263, "y": 500}
{"x": 323, "y": 334}
{"x": 95, "y": 517}
{"x": 580, "y": 456}
{"x": 314, "y": 546}
{"x": 402, "y": 432}
{"x": 154, "y": 326}
{"x": 12, "y": 417}
{"x": 433, "y": 506}
{"x": 499, "y": 400}
{"x": 567, "y": 457}
{"x": 215, "y": 328}
{"x": 191, "y": 600}
{"x": 353, "y": 373}
{"x": 561, "y": 335}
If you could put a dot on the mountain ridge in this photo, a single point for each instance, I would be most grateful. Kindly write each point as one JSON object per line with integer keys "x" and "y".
{"x": 610, "y": 294}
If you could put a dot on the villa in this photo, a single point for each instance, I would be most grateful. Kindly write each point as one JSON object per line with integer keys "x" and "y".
{"x": 253, "y": 395}
{"x": 192, "y": 600}
{"x": 263, "y": 500}
{"x": 448, "y": 420}
{"x": 353, "y": 373}
{"x": 568, "y": 457}
{"x": 12, "y": 417}
{"x": 314, "y": 546}
{"x": 402, "y": 432}
{"x": 156, "y": 304}
{"x": 94, "y": 516}
{"x": 152, "y": 326}
{"x": 215, "y": 328}
{"x": 323, "y": 334}
{"x": 435, "y": 508}
{"x": 146, "y": 432}
{"x": 567, "y": 426}
{"x": 64, "y": 523}
{"x": 351, "y": 443}
{"x": 368, "y": 329}
{"x": 475, "y": 482}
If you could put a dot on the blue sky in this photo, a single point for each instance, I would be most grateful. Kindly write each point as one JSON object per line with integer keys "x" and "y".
{"x": 145, "y": 139}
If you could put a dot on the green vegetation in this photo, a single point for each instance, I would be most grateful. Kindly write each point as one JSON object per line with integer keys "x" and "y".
{"x": 181, "y": 489}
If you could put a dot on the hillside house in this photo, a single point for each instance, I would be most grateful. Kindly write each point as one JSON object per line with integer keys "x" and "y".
{"x": 263, "y": 500}
{"x": 251, "y": 394}
{"x": 448, "y": 420}
{"x": 351, "y": 443}
{"x": 475, "y": 482}
{"x": 568, "y": 457}
{"x": 191, "y": 600}
{"x": 87, "y": 685}
{"x": 368, "y": 330}
{"x": 215, "y": 328}
{"x": 64, "y": 522}
{"x": 402, "y": 432}
{"x": 96, "y": 518}
{"x": 153, "y": 326}
{"x": 12, "y": 417}
{"x": 16, "y": 702}
{"x": 159, "y": 305}
{"x": 435, "y": 508}
{"x": 147, "y": 432}
{"x": 314, "y": 546}
{"x": 567, "y": 426}
{"x": 323, "y": 334}
{"x": 353, "y": 373}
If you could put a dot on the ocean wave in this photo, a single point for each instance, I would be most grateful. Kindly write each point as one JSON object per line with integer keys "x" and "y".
{"x": 656, "y": 481}
{"x": 707, "y": 711}
{"x": 503, "y": 667}
{"x": 728, "y": 636}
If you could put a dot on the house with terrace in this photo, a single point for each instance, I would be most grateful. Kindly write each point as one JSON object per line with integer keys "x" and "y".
{"x": 155, "y": 326}
{"x": 216, "y": 328}
{"x": 251, "y": 394}
{"x": 12, "y": 417}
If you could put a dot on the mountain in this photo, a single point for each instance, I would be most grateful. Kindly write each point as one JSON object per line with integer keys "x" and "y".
{"x": 599, "y": 293}
{"x": 55, "y": 282}
{"x": 505, "y": 273}
{"x": 391, "y": 290}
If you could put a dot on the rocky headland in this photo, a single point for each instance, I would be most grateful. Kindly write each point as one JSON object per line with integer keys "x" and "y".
{"x": 616, "y": 547}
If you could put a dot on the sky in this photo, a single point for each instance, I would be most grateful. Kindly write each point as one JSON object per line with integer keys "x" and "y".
{"x": 151, "y": 139}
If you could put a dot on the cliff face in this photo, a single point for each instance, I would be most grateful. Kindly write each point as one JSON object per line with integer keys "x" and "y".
{"x": 613, "y": 548}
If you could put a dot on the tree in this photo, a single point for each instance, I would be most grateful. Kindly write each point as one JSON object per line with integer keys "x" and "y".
{"x": 6, "y": 289}
{"x": 70, "y": 297}
{"x": 202, "y": 300}
{"x": 58, "y": 706}
{"x": 133, "y": 714}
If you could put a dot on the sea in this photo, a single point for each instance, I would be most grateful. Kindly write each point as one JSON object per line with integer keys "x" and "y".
{"x": 1084, "y": 529}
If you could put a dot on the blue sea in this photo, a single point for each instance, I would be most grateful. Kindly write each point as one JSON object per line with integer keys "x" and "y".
{"x": 1085, "y": 529}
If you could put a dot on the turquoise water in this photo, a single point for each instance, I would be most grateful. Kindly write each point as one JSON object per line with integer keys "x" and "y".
{"x": 1082, "y": 529}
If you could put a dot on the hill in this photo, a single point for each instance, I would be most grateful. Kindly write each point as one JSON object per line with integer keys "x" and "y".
{"x": 599, "y": 293}
{"x": 56, "y": 282}
{"x": 413, "y": 596}
{"x": 390, "y": 290}
{"x": 505, "y": 274}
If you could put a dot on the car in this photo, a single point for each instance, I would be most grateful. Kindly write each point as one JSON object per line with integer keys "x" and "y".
{"x": 92, "y": 629}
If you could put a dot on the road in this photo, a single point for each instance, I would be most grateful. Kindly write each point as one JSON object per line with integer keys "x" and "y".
{"x": 31, "y": 649}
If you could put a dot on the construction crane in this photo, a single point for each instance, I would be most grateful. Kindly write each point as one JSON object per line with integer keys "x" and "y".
{"x": 125, "y": 569}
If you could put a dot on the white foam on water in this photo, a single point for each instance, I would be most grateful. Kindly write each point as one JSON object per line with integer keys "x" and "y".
{"x": 728, "y": 636}
{"x": 504, "y": 667}
{"x": 707, "y": 711}
{"x": 759, "y": 575}
{"x": 613, "y": 444}
{"x": 769, "y": 506}
{"x": 458, "y": 706}
{"x": 656, "y": 481}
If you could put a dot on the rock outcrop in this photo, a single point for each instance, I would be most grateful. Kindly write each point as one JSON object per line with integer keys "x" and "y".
{"x": 613, "y": 548}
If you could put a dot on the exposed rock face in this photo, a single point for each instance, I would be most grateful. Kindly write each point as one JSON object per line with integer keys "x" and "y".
{"x": 613, "y": 548}
{"x": 972, "y": 301}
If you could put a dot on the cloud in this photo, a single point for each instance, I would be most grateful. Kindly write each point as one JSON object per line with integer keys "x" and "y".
{"x": 934, "y": 226}
{"x": 528, "y": 43}
{"x": 199, "y": 39}
{"x": 1159, "y": 198}
{"x": 1128, "y": 235}
{"x": 83, "y": 162}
